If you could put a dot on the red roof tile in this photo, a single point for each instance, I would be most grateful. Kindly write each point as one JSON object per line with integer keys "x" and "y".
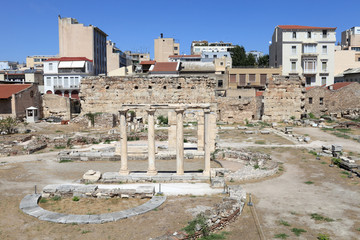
{"x": 339, "y": 85}
{"x": 308, "y": 88}
{"x": 259, "y": 93}
{"x": 304, "y": 27}
{"x": 165, "y": 67}
{"x": 147, "y": 62}
{"x": 185, "y": 56}
{"x": 7, "y": 90}
{"x": 68, "y": 59}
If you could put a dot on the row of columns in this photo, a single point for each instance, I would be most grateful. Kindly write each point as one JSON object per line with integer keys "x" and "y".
{"x": 151, "y": 142}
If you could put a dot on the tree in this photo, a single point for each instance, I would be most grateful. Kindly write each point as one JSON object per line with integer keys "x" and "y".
{"x": 238, "y": 56}
{"x": 263, "y": 61}
{"x": 250, "y": 60}
{"x": 7, "y": 125}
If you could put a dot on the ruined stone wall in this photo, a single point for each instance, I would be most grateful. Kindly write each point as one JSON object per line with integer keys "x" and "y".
{"x": 107, "y": 94}
{"x": 234, "y": 110}
{"x": 283, "y": 98}
{"x": 342, "y": 102}
{"x": 56, "y": 106}
{"x": 29, "y": 97}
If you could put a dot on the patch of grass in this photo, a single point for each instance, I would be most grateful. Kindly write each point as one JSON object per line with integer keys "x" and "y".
{"x": 85, "y": 231}
{"x": 281, "y": 236}
{"x": 319, "y": 217}
{"x": 249, "y": 125}
{"x": 75, "y": 198}
{"x": 344, "y": 130}
{"x": 60, "y": 147}
{"x": 155, "y": 209}
{"x": 215, "y": 236}
{"x": 107, "y": 141}
{"x": 298, "y": 231}
{"x": 293, "y": 213}
{"x": 285, "y": 223}
{"x": 358, "y": 229}
{"x": 313, "y": 152}
{"x": 309, "y": 182}
{"x": 43, "y": 200}
{"x": 256, "y": 166}
{"x": 65, "y": 160}
{"x": 260, "y": 142}
{"x": 345, "y": 173}
{"x": 58, "y": 131}
{"x": 56, "y": 198}
{"x": 199, "y": 221}
{"x": 323, "y": 237}
{"x": 323, "y": 162}
{"x": 341, "y": 135}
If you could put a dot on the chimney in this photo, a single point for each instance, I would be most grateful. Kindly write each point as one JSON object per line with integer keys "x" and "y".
{"x": 161, "y": 35}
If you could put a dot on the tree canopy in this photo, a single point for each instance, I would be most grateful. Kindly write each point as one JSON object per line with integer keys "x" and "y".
{"x": 241, "y": 59}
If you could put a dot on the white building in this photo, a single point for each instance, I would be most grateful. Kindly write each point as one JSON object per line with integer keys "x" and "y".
{"x": 198, "y": 47}
{"x": 62, "y": 76}
{"x": 305, "y": 51}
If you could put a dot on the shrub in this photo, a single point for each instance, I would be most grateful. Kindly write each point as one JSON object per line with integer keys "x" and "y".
{"x": 65, "y": 160}
{"x": 198, "y": 222}
{"x": 56, "y": 198}
{"x": 43, "y": 200}
{"x": 163, "y": 120}
{"x": 319, "y": 217}
{"x": 75, "y": 198}
{"x": 313, "y": 152}
{"x": 281, "y": 236}
{"x": 312, "y": 116}
{"x": 285, "y": 223}
{"x": 309, "y": 182}
{"x": 323, "y": 237}
{"x": 8, "y": 125}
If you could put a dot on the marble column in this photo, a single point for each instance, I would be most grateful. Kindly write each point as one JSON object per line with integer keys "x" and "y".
{"x": 207, "y": 149}
{"x": 151, "y": 142}
{"x": 200, "y": 131}
{"x": 171, "y": 130}
{"x": 123, "y": 139}
{"x": 179, "y": 142}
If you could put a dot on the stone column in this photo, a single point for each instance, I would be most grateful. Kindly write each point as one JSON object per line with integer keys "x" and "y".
{"x": 172, "y": 130}
{"x": 200, "y": 131}
{"x": 123, "y": 139}
{"x": 179, "y": 142}
{"x": 151, "y": 142}
{"x": 207, "y": 149}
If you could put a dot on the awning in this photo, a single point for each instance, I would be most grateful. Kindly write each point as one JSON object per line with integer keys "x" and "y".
{"x": 65, "y": 64}
{"x": 78, "y": 64}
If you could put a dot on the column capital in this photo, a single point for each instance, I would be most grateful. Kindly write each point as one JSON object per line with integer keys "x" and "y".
{"x": 150, "y": 111}
{"x": 180, "y": 110}
{"x": 123, "y": 110}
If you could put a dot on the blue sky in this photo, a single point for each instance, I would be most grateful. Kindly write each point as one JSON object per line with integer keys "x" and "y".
{"x": 31, "y": 27}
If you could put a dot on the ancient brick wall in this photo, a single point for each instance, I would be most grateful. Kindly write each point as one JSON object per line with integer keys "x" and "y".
{"x": 341, "y": 102}
{"x": 56, "y": 106}
{"x": 283, "y": 98}
{"x": 29, "y": 97}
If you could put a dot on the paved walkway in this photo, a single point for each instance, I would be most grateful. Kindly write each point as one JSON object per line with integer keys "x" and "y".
{"x": 29, "y": 205}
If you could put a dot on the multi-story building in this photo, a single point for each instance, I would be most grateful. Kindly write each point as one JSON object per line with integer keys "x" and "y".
{"x": 165, "y": 47}
{"x": 350, "y": 40}
{"x": 305, "y": 51}
{"x": 77, "y": 40}
{"x": 8, "y": 65}
{"x": 184, "y": 58}
{"x": 134, "y": 58}
{"x": 37, "y": 62}
{"x": 22, "y": 76}
{"x": 62, "y": 76}
{"x": 198, "y": 47}
{"x": 115, "y": 57}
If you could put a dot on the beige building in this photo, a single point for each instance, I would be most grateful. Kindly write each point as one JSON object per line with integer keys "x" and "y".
{"x": 250, "y": 77}
{"x": 115, "y": 57}
{"x": 77, "y": 40}
{"x": 350, "y": 40}
{"x": 37, "y": 62}
{"x": 135, "y": 58}
{"x": 304, "y": 51}
{"x": 345, "y": 59}
{"x": 165, "y": 47}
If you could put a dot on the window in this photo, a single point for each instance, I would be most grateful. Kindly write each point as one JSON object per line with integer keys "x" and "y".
{"x": 220, "y": 83}
{"x": 309, "y": 34}
{"x": 252, "y": 77}
{"x": 225, "y": 55}
{"x": 175, "y": 48}
{"x": 323, "y": 80}
{"x": 48, "y": 81}
{"x": 233, "y": 78}
{"x": 50, "y": 66}
{"x": 197, "y": 49}
{"x": 324, "y": 66}
{"x": 221, "y": 63}
{"x": 324, "y": 33}
{"x": 324, "y": 49}
{"x": 293, "y": 66}
{"x": 215, "y": 56}
{"x": 206, "y": 56}
{"x": 310, "y": 100}
{"x": 263, "y": 79}
{"x": 321, "y": 101}
{"x": 357, "y": 49}
{"x": 310, "y": 48}
{"x": 242, "y": 79}
{"x": 308, "y": 82}
{"x": 294, "y": 34}
{"x": 293, "y": 50}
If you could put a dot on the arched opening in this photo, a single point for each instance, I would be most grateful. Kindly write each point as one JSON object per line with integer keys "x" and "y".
{"x": 58, "y": 92}
{"x": 66, "y": 94}
{"x": 75, "y": 94}
{"x": 49, "y": 92}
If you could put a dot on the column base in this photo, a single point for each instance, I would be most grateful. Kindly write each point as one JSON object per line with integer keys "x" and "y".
{"x": 179, "y": 172}
{"x": 124, "y": 172}
{"x": 151, "y": 172}
{"x": 206, "y": 173}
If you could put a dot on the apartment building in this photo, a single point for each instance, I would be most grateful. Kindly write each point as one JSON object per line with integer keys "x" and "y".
{"x": 8, "y": 65}
{"x": 165, "y": 47}
{"x": 78, "y": 40}
{"x": 198, "y": 47}
{"x": 62, "y": 76}
{"x": 135, "y": 58}
{"x": 350, "y": 40}
{"x": 115, "y": 57}
{"x": 37, "y": 62}
{"x": 305, "y": 51}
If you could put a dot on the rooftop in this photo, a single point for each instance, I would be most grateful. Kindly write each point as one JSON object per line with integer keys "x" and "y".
{"x": 147, "y": 62}
{"x": 298, "y": 27}
{"x": 63, "y": 59}
{"x": 7, "y": 90}
{"x": 185, "y": 56}
{"x": 339, "y": 85}
{"x": 165, "y": 67}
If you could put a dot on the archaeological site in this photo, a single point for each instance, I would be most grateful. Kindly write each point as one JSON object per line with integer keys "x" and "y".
{"x": 164, "y": 156}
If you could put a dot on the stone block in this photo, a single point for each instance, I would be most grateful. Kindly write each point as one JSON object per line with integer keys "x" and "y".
{"x": 92, "y": 176}
{"x": 336, "y": 148}
{"x": 249, "y": 132}
{"x": 217, "y": 182}
{"x": 242, "y": 127}
{"x": 265, "y": 132}
{"x": 307, "y": 139}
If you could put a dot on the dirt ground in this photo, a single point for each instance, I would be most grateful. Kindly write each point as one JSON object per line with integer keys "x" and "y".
{"x": 305, "y": 186}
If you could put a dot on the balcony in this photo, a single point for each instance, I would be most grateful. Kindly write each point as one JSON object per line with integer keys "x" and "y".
{"x": 61, "y": 87}
{"x": 309, "y": 71}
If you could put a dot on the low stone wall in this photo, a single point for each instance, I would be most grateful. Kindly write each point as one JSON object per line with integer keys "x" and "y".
{"x": 218, "y": 217}
{"x": 94, "y": 191}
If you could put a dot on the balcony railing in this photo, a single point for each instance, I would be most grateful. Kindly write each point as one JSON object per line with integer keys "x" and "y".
{"x": 310, "y": 71}
{"x": 66, "y": 87}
